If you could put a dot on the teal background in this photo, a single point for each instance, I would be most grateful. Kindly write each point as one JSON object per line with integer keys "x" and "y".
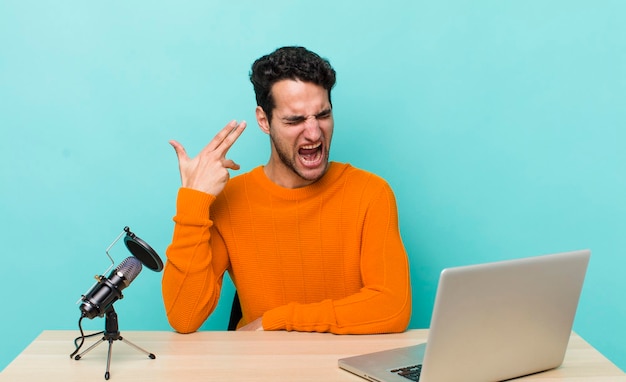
{"x": 499, "y": 124}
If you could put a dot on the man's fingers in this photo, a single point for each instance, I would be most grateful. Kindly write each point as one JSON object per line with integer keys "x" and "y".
{"x": 235, "y": 134}
{"x": 226, "y": 137}
{"x": 229, "y": 163}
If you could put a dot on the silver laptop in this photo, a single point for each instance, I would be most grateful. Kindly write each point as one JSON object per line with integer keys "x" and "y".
{"x": 490, "y": 322}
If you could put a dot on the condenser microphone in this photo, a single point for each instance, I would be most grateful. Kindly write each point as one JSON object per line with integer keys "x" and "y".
{"x": 109, "y": 289}
{"x": 99, "y": 299}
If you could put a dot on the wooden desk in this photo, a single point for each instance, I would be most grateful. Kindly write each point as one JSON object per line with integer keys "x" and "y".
{"x": 249, "y": 356}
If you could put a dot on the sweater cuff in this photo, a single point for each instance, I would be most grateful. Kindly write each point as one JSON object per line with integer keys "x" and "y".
{"x": 277, "y": 318}
{"x": 193, "y": 204}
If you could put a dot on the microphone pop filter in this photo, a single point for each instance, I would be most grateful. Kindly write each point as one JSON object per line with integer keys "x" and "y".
{"x": 142, "y": 251}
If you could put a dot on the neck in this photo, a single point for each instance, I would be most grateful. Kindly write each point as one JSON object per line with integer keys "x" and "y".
{"x": 285, "y": 177}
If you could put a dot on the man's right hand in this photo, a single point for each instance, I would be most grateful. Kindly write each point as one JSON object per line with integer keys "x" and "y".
{"x": 208, "y": 171}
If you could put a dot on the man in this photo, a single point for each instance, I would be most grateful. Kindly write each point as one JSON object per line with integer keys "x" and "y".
{"x": 311, "y": 245}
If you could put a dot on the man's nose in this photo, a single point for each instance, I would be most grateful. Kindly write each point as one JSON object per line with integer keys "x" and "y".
{"x": 312, "y": 129}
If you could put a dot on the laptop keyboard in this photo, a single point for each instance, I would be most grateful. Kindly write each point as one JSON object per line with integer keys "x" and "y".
{"x": 410, "y": 372}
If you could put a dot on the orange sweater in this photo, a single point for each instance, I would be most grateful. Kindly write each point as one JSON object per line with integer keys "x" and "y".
{"x": 327, "y": 257}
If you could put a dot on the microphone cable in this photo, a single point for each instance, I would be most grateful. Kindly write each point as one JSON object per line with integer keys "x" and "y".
{"x": 82, "y": 336}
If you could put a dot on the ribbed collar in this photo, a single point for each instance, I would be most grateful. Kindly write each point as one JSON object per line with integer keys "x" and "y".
{"x": 334, "y": 172}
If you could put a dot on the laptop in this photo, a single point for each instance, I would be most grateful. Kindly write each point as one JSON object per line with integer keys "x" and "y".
{"x": 490, "y": 322}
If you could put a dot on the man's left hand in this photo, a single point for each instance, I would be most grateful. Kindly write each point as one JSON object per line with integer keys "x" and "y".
{"x": 254, "y": 325}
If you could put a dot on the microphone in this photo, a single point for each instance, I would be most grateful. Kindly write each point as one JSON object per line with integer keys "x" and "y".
{"x": 99, "y": 299}
{"x": 109, "y": 289}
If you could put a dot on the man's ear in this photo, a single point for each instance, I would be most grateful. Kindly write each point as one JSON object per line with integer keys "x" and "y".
{"x": 261, "y": 119}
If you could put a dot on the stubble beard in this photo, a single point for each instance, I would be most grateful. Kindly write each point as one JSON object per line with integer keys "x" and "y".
{"x": 291, "y": 162}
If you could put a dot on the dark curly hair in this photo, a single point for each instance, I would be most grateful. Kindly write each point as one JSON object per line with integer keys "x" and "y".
{"x": 290, "y": 62}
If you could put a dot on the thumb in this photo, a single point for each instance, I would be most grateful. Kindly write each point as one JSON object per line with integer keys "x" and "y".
{"x": 180, "y": 150}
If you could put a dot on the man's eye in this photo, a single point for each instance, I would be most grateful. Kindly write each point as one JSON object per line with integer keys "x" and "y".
{"x": 324, "y": 115}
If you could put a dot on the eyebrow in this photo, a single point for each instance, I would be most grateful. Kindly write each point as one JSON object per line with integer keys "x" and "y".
{"x": 300, "y": 118}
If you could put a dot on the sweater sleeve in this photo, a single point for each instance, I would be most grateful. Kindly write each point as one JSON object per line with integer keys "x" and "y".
{"x": 196, "y": 262}
{"x": 383, "y": 305}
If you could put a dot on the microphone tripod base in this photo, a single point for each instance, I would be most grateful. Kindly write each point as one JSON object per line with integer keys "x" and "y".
{"x": 112, "y": 334}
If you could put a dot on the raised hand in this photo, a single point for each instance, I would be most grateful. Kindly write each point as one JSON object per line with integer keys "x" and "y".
{"x": 208, "y": 171}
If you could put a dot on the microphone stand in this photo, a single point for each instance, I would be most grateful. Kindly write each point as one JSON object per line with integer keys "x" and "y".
{"x": 112, "y": 333}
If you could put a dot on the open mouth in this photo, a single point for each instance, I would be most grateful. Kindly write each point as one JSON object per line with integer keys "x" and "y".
{"x": 311, "y": 155}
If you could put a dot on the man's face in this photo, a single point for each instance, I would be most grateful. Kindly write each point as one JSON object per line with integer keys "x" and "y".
{"x": 301, "y": 130}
